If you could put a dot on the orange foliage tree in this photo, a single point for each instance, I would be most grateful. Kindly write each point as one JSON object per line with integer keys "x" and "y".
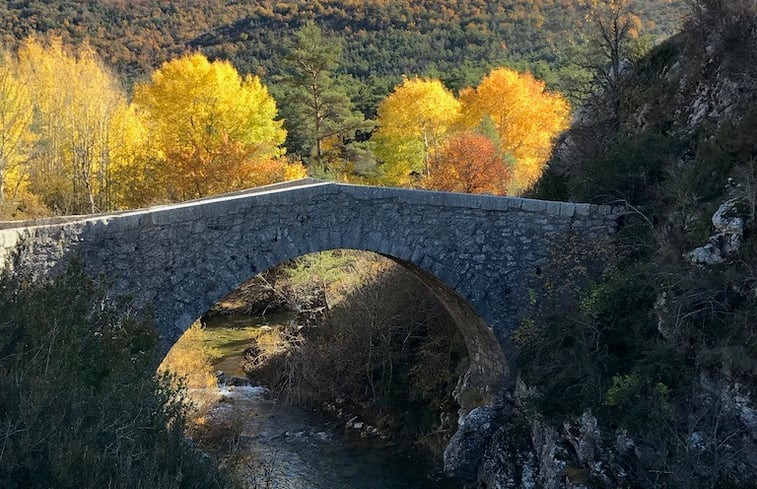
{"x": 471, "y": 163}
{"x": 525, "y": 117}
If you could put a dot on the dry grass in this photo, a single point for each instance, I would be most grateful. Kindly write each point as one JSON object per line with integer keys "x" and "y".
{"x": 190, "y": 360}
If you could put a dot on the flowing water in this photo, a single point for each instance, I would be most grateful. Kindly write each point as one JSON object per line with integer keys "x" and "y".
{"x": 296, "y": 449}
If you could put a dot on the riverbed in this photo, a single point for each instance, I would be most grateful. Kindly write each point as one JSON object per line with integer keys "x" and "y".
{"x": 291, "y": 448}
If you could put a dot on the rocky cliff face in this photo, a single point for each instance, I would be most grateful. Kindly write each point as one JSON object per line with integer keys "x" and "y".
{"x": 528, "y": 451}
{"x": 687, "y": 88}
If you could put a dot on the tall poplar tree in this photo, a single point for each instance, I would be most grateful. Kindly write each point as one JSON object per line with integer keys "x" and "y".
{"x": 16, "y": 114}
{"x": 78, "y": 105}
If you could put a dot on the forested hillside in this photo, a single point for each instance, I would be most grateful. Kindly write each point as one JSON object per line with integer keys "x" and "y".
{"x": 446, "y": 38}
{"x": 343, "y": 76}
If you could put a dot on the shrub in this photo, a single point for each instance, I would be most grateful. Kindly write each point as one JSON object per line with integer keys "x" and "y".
{"x": 387, "y": 352}
{"x": 82, "y": 406}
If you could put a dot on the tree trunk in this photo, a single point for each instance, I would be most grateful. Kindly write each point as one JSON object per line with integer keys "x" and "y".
{"x": 426, "y": 149}
{"x": 2, "y": 179}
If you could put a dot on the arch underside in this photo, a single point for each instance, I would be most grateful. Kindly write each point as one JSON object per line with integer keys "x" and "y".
{"x": 487, "y": 368}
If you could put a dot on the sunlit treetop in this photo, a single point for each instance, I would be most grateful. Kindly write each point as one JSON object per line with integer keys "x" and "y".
{"x": 525, "y": 117}
{"x": 208, "y": 124}
{"x": 413, "y": 121}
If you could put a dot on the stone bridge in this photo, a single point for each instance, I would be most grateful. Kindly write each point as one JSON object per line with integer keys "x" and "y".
{"x": 480, "y": 255}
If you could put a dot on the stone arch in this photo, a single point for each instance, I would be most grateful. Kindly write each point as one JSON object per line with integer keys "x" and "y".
{"x": 487, "y": 370}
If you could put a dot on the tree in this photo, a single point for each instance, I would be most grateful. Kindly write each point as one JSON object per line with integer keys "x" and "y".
{"x": 16, "y": 115}
{"x": 317, "y": 107}
{"x": 614, "y": 25}
{"x": 470, "y": 163}
{"x": 413, "y": 121}
{"x": 208, "y": 124}
{"x": 81, "y": 403}
{"x": 76, "y": 101}
{"x": 135, "y": 172}
{"x": 524, "y": 116}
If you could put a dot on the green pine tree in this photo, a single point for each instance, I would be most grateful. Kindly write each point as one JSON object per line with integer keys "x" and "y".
{"x": 315, "y": 105}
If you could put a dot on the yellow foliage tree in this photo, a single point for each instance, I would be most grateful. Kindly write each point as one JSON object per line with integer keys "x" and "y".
{"x": 413, "y": 121}
{"x": 207, "y": 125}
{"x": 77, "y": 101}
{"x": 135, "y": 174}
{"x": 191, "y": 359}
{"x": 16, "y": 136}
{"x": 526, "y": 119}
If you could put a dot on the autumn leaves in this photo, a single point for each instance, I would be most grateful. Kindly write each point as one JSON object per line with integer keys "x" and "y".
{"x": 211, "y": 130}
{"x": 495, "y": 138}
{"x": 71, "y": 140}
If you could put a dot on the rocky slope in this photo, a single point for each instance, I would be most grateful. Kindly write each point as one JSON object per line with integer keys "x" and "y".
{"x": 648, "y": 377}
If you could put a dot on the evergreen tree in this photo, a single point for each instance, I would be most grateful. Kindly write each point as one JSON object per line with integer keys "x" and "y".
{"x": 319, "y": 115}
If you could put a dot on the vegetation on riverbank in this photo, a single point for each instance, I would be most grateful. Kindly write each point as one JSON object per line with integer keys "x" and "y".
{"x": 82, "y": 406}
{"x": 387, "y": 353}
{"x": 369, "y": 342}
{"x": 363, "y": 341}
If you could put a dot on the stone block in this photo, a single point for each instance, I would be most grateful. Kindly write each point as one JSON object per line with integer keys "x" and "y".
{"x": 515, "y": 203}
{"x": 491, "y": 203}
{"x": 583, "y": 209}
{"x": 553, "y": 208}
{"x": 567, "y": 209}
{"x": 531, "y": 205}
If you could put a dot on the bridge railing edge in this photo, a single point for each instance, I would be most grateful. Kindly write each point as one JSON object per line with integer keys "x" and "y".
{"x": 105, "y": 216}
{"x": 483, "y": 201}
{"x": 307, "y": 187}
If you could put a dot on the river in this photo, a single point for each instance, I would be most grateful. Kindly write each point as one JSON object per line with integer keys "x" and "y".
{"x": 291, "y": 448}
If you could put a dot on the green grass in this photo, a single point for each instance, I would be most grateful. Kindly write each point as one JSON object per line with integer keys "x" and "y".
{"x": 228, "y": 336}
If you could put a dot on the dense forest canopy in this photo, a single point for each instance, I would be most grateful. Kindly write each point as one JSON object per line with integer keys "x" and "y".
{"x": 330, "y": 66}
{"x": 451, "y": 39}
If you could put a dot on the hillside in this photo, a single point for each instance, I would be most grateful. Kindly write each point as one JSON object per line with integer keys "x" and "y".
{"x": 641, "y": 372}
{"x": 454, "y": 39}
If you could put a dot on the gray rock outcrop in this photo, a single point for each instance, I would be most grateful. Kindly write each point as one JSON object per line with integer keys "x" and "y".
{"x": 729, "y": 226}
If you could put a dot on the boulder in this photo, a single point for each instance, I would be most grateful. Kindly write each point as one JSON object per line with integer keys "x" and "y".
{"x": 729, "y": 226}
{"x": 466, "y": 447}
